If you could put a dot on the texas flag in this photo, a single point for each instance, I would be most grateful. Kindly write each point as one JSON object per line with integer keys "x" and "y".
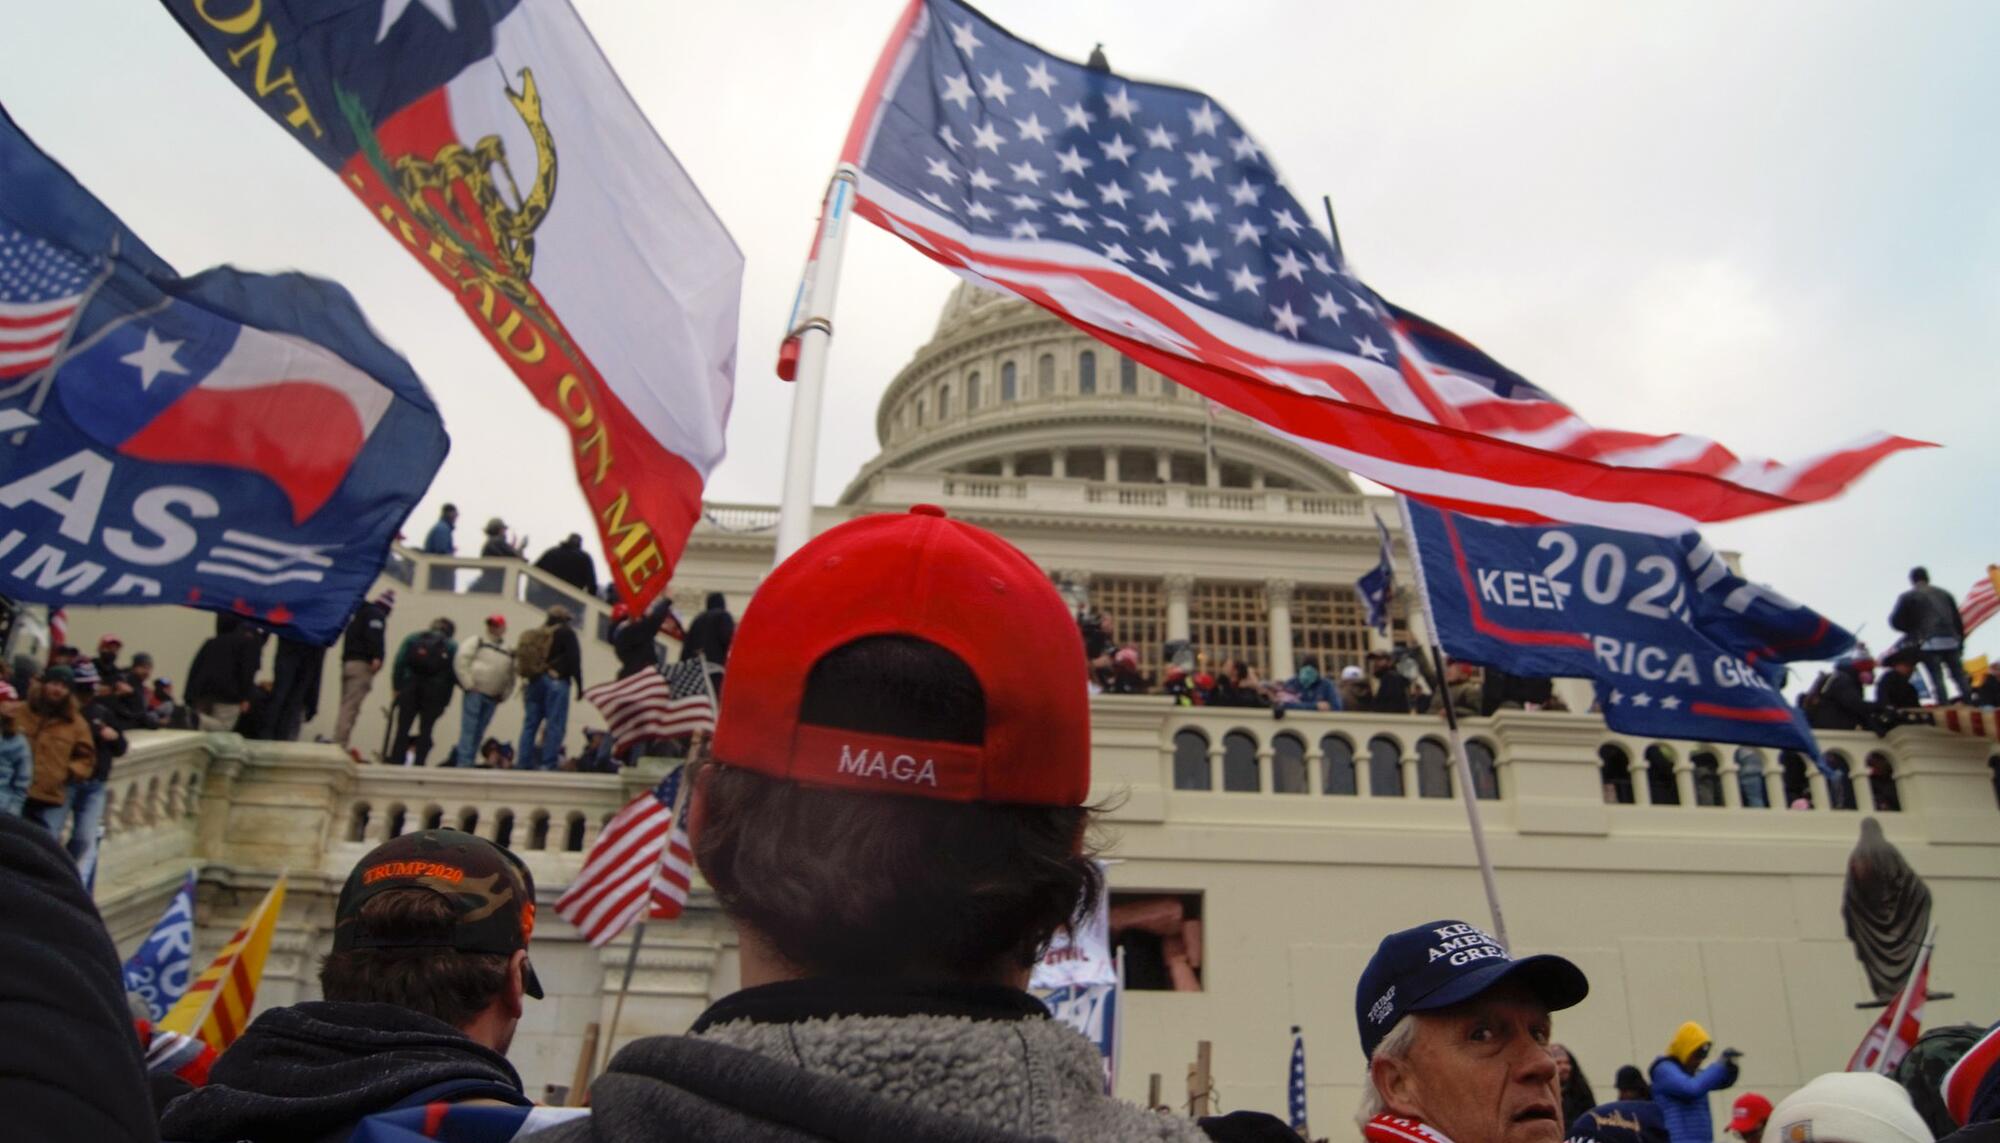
{"x": 492, "y": 141}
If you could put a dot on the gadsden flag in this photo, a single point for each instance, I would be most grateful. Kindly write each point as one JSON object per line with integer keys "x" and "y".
{"x": 492, "y": 140}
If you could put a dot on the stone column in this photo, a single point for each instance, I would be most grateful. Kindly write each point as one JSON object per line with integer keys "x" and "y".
{"x": 1007, "y": 465}
{"x": 1059, "y": 463}
{"x": 1257, "y": 479}
{"x": 1732, "y": 782}
{"x": 1211, "y": 464}
{"x": 1111, "y": 466}
{"x": 1178, "y": 588}
{"x": 1684, "y": 780}
{"x": 1278, "y": 594}
{"x": 1816, "y": 782}
{"x": 1163, "y": 465}
{"x": 1412, "y": 775}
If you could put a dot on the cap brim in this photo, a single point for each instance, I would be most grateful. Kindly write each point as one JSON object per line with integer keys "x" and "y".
{"x": 1558, "y": 983}
{"x": 530, "y": 983}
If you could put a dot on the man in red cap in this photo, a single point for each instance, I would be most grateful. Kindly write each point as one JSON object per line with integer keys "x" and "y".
{"x": 894, "y": 819}
{"x": 1748, "y": 1117}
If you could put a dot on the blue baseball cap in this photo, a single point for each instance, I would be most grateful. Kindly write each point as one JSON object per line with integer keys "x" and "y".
{"x": 1445, "y": 963}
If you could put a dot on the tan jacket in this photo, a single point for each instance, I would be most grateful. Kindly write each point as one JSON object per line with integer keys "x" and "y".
{"x": 61, "y": 747}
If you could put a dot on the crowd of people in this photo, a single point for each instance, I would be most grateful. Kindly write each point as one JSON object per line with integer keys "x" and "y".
{"x": 883, "y": 981}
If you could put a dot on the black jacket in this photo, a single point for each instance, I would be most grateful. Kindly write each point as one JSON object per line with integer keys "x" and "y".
{"x": 1841, "y": 704}
{"x": 1927, "y": 612}
{"x": 367, "y": 635}
{"x": 225, "y": 669}
{"x": 1894, "y": 690}
{"x": 310, "y": 1072}
{"x": 99, "y": 714}
{"x": 710, "y": 634}
{"x": 70, "y": 1066}
{"x": 634, "y": 640}
{"x": 1392, "y": 692}
{"x": 572, "y": 565}
{"x": 566, "y": 654}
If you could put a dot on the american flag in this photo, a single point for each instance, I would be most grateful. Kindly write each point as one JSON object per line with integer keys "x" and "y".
{"x": 1983, "y": 601}
{"x": 653, "y": 705}
{"x": 632, "y": 867}
{"x": 1147, "y": 217}
{"x": 1882, "y": 1049}
{"x": 41, "y": 288}
{"x": 1296, "y": 1085}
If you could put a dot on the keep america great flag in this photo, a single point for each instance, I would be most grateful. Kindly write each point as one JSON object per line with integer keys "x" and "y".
{"x": 1148, "y": 217}
{"x": 492, "y": 139}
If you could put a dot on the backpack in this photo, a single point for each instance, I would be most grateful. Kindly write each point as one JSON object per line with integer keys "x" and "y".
{"x": 531, "y": 658}
{"x": 429, "y": 656}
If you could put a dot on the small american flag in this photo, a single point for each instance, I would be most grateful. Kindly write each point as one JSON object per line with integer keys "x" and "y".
{"x": 654, "y": 705}
{"x": 1983, "y": 601}
{"x": 622, "y": 874}
{"x": 1148, "y": 217}
{"x": 41, "y": 289}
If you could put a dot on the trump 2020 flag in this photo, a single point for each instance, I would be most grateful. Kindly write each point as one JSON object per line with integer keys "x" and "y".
{"x": 157, "y": 972}
{"x": 1679, "y": 644}
{"x": 492, "y": 139}
{"x": 241, "y": 442}
{"x": 1149, "y": 218}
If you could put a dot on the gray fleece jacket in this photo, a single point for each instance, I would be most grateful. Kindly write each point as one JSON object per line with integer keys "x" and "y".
{"x": 787, "y": 1063}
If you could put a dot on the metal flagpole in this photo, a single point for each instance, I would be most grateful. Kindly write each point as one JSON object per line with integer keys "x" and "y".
{"x": 624, "y": 986}
{"x": 812, "y": 325}
{"x": 1903, "y": 1003}
{"x": 1463, "y": 764}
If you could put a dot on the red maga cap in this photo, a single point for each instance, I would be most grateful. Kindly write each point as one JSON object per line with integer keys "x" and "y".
{"x": 927, "y": 577}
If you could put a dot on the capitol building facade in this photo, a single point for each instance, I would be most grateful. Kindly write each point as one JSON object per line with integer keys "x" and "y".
{"x": 1255, "y": 861}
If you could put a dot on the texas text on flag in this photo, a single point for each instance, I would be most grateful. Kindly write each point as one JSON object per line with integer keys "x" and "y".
{"x": 493, "y": 140}
{"x": 1147, "y": 217}
{"x": 1680, "y": 645}
{"x": 234, "y": 441}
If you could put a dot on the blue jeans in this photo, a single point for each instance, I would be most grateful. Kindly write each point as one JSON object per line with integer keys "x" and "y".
{"x": 547, "y": 701}
{"x": 475, "y": 715}
{"x": 83, "y": 810}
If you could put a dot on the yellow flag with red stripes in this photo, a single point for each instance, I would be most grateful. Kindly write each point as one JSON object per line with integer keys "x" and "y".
{"x": 216, "y": 1007}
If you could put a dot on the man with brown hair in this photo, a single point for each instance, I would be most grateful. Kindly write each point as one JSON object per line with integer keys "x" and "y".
{"x": 894, "y": 819}
{"x": 423, "y": 992}
{"x": 59, "y": 742}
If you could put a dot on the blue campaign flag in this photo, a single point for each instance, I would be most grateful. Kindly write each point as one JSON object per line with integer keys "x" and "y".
{"x": 1295, "y": 1085}
{"x": 239, "y": 442}
{"x": 1679, "y": 644}
{"x": 1378, "y": 586}
{"x": 158, "y": 970}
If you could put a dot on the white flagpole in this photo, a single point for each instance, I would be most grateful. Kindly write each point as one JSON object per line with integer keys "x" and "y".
{"x": 1903, "y": 1003}
{"x": 1464, "y": 765}
{"x": 812, "y": 324}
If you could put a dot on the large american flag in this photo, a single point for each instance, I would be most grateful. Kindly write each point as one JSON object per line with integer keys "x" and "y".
{"x": 1983, "y": 601}
{"x": 653, "y": 705}
{"x": 1147, "y": 217}
{"x": 633, "y": 868}
{"x": 41, "y": 289}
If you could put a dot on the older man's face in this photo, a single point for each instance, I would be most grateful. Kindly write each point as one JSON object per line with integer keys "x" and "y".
{"x": 1480, "y": 1072}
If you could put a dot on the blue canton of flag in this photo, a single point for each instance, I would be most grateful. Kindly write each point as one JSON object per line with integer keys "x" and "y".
{"x": 239, "y": 442}
{"x": 158, "y": 970}
{"x": 1680, "y": 645}
{"x": 1296, "y": 1086}
{"x": 1378, "y": 586}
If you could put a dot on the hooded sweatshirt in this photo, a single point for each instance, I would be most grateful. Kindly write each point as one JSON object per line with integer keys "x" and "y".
{"x": 310, "y": 1072}
{"x": 1683, "y": 1098}
{"x": 816, "y": 1060}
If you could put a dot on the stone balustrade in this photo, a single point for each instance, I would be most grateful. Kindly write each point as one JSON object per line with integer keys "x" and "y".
{"x": 1176, "y": 500}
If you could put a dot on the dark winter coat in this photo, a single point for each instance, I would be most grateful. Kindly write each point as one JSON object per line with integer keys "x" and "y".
{"x": 367, "y": 638}
{"x": 1841, "y": 704}
{"x": 711, "y": 633}
{"x": 310, "y": 1072}
{"x": 296, "y": 670}
{"x": 572, "y": 565}
{"x": 1894, "y": 689}
{"x": 224, "y": 670}
{"x": 634, "y": 640}
{"x": 1927, "y": 612}
{"x": 99, "y": 715}
{"x": 566, "y": 654}
{"x": 1392, "y": 692}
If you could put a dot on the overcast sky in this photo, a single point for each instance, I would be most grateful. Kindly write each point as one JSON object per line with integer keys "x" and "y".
{"x": 1777, "y": 225}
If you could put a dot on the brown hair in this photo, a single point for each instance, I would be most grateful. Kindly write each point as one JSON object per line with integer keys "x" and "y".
{"x": 450, "y": 985}
{"x": 849, "y": 884}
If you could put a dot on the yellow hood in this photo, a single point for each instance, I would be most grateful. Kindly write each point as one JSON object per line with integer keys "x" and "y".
{"x": 1691, "y": 1038}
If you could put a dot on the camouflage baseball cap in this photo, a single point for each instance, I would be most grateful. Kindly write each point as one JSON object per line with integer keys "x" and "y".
{"x": 489, "y": 888}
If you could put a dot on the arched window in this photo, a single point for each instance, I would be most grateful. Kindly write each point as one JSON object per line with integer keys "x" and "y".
{"x": 1128, "y": 375}
{"x": 468, "y": 820}
{"x": 944, "y": 402}
{"x": 1840, "y": 784}
{"x": 1433, "y": 769}
{"x": 1336, "y": 765}
{"x": 1385, "y": 767}
{"x": 972, "y": 391}
{"x": 1239, "y": 763}
{"x": 1798, "y": 788}
{"x": 920, "y": 410}
{"x": 573, "y": 833}
{"x": 357, "y": 822}
{"x": 1086, "y": 373}
{"x": 1008, "y": 389}
{"x": 1660, "y": 787}
{"x": 434, "y": 817}
{"x": 1191, "y": 761}
{"x": 1045, "y": 375}
{"x": 1485, "y": 770}
{"x": 1750, "y": 779}
{"x": 538, "y": 830}
{"x": 398, "y": 819}
{"x": 1288, "y": 764}
{"x": 503, "y": 829}
{"x": 1707, "y": 778}
{"x": 1882, "y": 783}
{"x": 1614, "y": 767}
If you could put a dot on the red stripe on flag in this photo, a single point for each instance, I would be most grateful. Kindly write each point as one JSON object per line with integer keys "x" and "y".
{"x": 1494, "y": 630}
{"x": 1737, "y": 713}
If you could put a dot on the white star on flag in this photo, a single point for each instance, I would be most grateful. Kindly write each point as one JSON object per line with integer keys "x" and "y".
{"x": 1246, "y": 281}
{"x": 1328, "y": 308}
{"x": 961, "y": 34}
{"x": 1040, "y": 80}
{"x": 1031, "y": 128}
{"x": 1642, "y": 699}
{"x": 1201, "y": 165}
{"x": 994, "y": 87}
{"x": 1201, "y": 253}
{"x": 1291, "y": 266}
{"x": 958, "y": 89}
{"x": 1286, "y": 319}
{"x": 1120, "y": 104}
{"x": 1071, "y": 162}
{"x": 392, "y": 11}
{"x": 1202, "y": 120}
{"x": 153, "y": 358}
{"x": 1671, "y": 702}
{"x": 1366, "y": 347}
{"x": 1118, "y": 149}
